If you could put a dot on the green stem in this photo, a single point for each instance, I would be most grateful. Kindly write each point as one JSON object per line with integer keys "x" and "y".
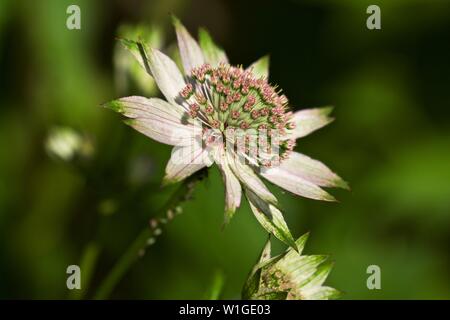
{"x": 124, "y": 263}
{"x": 147, "y": 236}
{"x": 218, "y": 282}
{"x": 87, "y": 265}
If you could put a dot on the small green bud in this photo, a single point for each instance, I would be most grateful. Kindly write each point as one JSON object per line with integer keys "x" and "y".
{"x": 289, "y": 276}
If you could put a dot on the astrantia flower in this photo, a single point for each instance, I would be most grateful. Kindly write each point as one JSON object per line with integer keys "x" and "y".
{"x": 290, "y": 276}
{"x": 233, "y": 117}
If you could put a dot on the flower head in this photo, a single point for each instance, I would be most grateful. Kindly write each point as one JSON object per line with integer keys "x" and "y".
{"x": 290, "y": 276}
{"x": 224, "y": 114}
{"x": 229, "y": 98}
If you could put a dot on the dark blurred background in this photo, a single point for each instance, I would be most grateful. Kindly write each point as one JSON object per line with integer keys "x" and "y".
{"x": 390, "y": 140}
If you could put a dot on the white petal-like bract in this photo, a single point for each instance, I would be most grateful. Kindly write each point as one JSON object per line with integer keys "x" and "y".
{"x": 190, "y": 52}
{"x": 309, "y": 120}
{"x": 157, "y": 119}
{"x": 184, "y": 161}
{"x": 166, "y": 74}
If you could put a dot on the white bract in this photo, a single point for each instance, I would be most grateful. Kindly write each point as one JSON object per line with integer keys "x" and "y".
{"x": 230, "y": 116}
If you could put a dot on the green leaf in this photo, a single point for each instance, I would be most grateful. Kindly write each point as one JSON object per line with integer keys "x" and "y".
{"x": 218, "y": 282}
{"x": 271, "y": 219}
{"x": 213, "y": 54}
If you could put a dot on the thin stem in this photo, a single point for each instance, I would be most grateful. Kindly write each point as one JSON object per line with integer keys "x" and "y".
{"x": 87, "y": 265}
{"x": 216, "y": 288}
{"x": 124, "y": 263}
{"x": 148, "y": 235}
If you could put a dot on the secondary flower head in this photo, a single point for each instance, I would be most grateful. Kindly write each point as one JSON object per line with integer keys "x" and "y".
{"x": 67, "y": 144}
{"x": 290, "y": 276}
{"x": 224, "y": 114}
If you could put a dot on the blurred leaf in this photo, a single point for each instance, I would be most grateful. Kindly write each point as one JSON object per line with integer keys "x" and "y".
{"x": 217, "y": 284}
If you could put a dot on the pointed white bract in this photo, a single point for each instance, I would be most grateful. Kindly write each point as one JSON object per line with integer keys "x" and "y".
{"x": 296, "y": 184}
{"x": 249, "y": 178}
{"x": 210, "y": 100}
{"x": 310, "y": 120}
{"x": 233, "y": 190}
{"x": 270, "y": 217}
{"x": 166, "y": 74}
{"x": 157, "y": 119}
{"x": 312, "y": 171}
{"x": 190, "y": 52}
{"x": 184, "y": 161}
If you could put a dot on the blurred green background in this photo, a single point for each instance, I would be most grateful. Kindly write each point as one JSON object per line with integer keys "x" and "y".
{"x": 390, "y": 140}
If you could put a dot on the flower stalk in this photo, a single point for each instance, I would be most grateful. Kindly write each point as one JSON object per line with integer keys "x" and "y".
{"x": 148, "y": 235}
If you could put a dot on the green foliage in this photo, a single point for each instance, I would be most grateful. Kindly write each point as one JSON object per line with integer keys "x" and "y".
{"x": 390, "y": 140}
